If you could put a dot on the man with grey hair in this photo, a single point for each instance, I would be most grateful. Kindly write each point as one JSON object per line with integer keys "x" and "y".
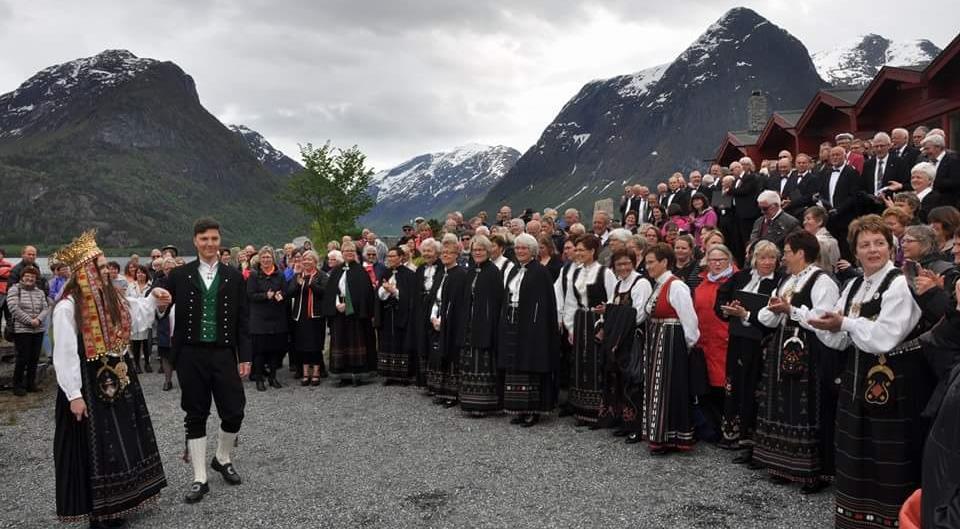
{"x": 879, "y": 173}
{"x": 533, "y": 228}
{"x": 516, "y": 226}
{"x": 601, "y": 225}
{"x": 631, "y": 200}
{"x": 617, "y": 241}
{"x": 903, "y": 155}
{"x": 775, "y": 224}
{"x": 570, "y": 217}
{"x": 919, "y": 134}
{"x": 947, "y": 181}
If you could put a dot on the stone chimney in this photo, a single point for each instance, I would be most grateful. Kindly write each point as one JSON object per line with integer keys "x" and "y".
{"x": 757, "y": 112}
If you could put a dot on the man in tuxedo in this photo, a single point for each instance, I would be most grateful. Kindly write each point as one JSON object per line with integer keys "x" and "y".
{"x": 746, "y": 188}
{"x": 879, "y": 173}
{"x": 696, "y": 185}
{"x": 211, "y": 352}
{"x": 679, "y": 194}
{"x": 631, "y": 200}
{"x": 840, "y": 194}
{"x": 947, "y": 182}
{"x": 801, "y": 187}
{"x": 777, "y": 180}
{"x": 774, "y": 224}
{"x": 904, "y": 155}
{"x": 663, "y": 191}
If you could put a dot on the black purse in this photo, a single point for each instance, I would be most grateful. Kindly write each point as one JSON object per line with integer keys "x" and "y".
{"x": 794, "y": 355}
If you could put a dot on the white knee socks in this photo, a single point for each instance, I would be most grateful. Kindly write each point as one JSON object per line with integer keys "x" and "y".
{"x": 225, "y": 443}
{"x": 198, "y": 458}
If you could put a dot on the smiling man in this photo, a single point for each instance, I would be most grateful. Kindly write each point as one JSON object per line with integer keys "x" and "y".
{"x": 211, "y": 352}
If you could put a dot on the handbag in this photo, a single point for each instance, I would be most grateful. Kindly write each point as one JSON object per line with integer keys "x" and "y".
{"x": 793, "y": 357}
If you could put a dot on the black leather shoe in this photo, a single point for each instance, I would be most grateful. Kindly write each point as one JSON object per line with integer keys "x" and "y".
{"x": 274, "y": 383}
{"x": 449, "y": 403}
{"x": 261, "y": 386}
{"x": 227, "y": 471}
{"x": 620, "y": 433}
{"x": 815, "y": 487}
{"x": 518, "y": 419}
{"x": 632, "y": 439}
{"x": 197, "y": 492}
{"x": 744, "y": 458}
{"x": 167, "y": 386}
{"x": 344, "y": 382}
{"x": 530, "y": 420}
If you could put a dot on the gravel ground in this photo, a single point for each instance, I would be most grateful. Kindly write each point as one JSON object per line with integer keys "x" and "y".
{"x": 378, "y": 456}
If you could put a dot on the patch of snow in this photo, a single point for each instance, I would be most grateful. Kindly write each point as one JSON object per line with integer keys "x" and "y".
{"x": 580, "y": 139}
{"x": 571, "y": 197}
{"x": 638, "y": 84}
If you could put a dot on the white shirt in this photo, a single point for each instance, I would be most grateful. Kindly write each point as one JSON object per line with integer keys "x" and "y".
{"x": 936, "y": 162}
{"x": 899, "y": 314}
{"x": 382, "y": 292}
{"x": 880, "y": 168}
{"x": 823, "y": 297}
{"x": 834, "y": 178}
{"x": 428, "y": 274}
{"x": 587, "y": 276}
{"x": 66, "y": 360}
{"x": 682, "y": 302}
{"x": 208, "y": 271}
{"x": 559, "y": 288}
{"x": 513, "y": 287}
{"x": 639, "y": 294}
{"x": 925, "y": 192}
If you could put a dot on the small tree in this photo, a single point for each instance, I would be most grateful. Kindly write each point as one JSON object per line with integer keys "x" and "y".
{"x": 331, "y": 190}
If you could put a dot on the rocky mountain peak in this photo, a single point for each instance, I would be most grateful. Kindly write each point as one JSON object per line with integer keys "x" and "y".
{"x": 268, "y": 155}
{"x": 44, "y": 98}
{"x": 856, "y": 62}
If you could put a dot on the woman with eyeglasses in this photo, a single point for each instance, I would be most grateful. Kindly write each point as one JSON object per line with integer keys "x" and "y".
{"x": 797, "y": 395}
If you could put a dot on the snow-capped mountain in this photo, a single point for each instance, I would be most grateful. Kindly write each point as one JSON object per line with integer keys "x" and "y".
{"x": 856, "y": 62}
{"x": 436, "y": 183}
{"x": 644, "y": 126}
{"x": 123, "y": 144}
{"x": 271, "y": 157}
{"x": 47, "y": 97}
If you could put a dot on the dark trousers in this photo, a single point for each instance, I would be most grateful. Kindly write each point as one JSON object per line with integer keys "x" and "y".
{"x": 28, "y": 346}
{"x": 741, "y": 240}
{"x": 205, "y": 372}
{"x": 268, "y": 353}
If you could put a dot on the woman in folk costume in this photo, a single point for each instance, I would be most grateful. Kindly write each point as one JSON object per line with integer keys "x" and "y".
{"x": 797, "y": 399}
{"x": 105, "y": 451}
{"x": 622, "y": 347}
{"x": 529, "y": 341}
{"x": 672, "y": 329}
{"x": 884, "y": 387}
{"x": 308, "y": 324}
{"x": 392, "y": 320}
{"x": 348, "y": 304}
{"x": 426, "y": 283}
{"x": 443, "y": 372}
{"x": 590, "y": 284}
{"x": 477, "y": 330}
{"x": 742, "y": 360}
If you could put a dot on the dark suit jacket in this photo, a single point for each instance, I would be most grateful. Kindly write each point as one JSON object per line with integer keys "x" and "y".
{"x": 773, "y": 182}
{"x": 932, "y": 200}
{"x": 745, "y": 197}
{"x": 905, "y": 163}
{"x": 869, "y": 173}
{"x": 801, "y": 191}
{"x": 634, "y": 206}
{"x": 682, "y": 199}
{"x": 844, "y": 205}
{"x": 777, "y": 231}
{"x": 948, "y": 180}
{"x": 184, "y": 284}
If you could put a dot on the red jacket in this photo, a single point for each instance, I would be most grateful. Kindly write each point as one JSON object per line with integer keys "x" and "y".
{"x": 5, "y": 268}
{"x": 713, "y": 331}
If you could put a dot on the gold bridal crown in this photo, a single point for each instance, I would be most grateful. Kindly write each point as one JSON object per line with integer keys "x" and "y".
{"x": 78, "y": 252}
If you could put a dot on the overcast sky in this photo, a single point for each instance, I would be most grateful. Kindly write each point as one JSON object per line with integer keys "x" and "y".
{"x": 400, "y": 80}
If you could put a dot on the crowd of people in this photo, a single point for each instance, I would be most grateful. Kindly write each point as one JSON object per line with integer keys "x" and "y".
{"x": 801, "y": 313}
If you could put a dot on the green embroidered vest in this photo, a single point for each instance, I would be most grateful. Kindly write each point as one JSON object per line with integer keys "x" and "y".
{"x": 209, "y": 330}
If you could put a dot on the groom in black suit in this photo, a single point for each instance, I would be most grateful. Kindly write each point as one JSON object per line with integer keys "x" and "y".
{"x": 211, "y": 353}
